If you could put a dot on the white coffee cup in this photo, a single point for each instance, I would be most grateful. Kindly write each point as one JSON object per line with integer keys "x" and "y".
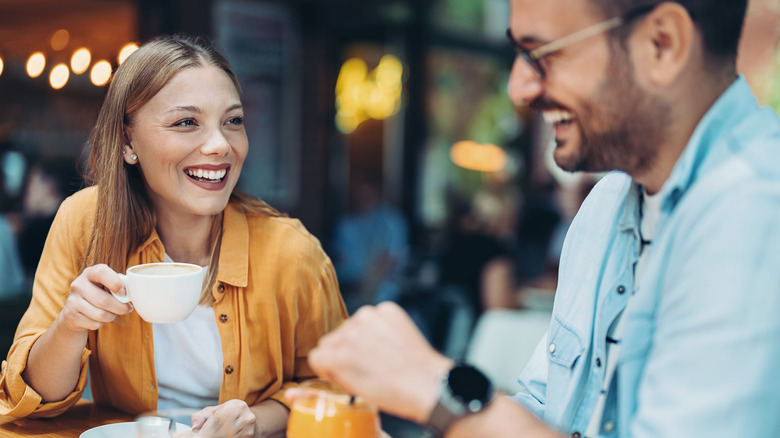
{"x": 163, "y": 292}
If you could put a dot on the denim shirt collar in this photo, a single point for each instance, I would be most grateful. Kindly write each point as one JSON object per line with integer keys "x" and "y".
{"x": 696, "y": 156}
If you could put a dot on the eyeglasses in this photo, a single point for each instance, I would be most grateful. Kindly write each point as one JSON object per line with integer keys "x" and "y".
{"x": 533, "y": 57}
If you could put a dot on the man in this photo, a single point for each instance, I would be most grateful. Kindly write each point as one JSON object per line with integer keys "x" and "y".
{"x": 665, "y": 322}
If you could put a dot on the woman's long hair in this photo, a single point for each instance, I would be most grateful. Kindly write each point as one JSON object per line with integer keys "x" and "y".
{"x": 124, "y": 218}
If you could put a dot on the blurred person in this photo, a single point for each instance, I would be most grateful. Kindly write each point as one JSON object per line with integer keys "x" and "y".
{"x": 165, "y": 156}
{"x": 49, "y": 182}
{"x": 665, "y": 317}
{"x": 370, "y": 245}
{"x": 11, "y": 272}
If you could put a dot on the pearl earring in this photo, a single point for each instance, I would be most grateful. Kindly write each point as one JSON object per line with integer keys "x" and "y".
{"x": 133, "y": 157}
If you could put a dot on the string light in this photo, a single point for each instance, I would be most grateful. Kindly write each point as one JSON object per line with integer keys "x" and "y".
{"x": 59, "y": 76}
{"x": 101, "y": 73}
{"x": 126, "y": 51}
{"x": 35, "y": 64}
{"x": 79, "y": 62}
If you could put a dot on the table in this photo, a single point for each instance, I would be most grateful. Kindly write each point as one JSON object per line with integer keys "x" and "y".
{"x": 84, "y": 415}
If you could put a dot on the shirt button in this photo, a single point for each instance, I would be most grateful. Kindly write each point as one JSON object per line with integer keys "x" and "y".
{"x": 221, "y": 288}
{"x": 229, "y": 369}
{"x": 621, "y": 289}
{"x": 598, "y": 362}
{"x": 552, "y": 348}
{"x": 609, "y": 426}
{"x": 576, "y": 435}
{"x": 223, "y": 318}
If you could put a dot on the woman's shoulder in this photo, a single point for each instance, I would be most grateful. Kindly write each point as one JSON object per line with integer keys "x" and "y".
{"x": 81, "y": 204}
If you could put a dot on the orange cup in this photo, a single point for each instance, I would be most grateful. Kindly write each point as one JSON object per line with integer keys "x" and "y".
{"x": 324, "y": 411}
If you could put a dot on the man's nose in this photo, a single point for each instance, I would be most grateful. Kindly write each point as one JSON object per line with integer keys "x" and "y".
{"x": 525, "y": 85}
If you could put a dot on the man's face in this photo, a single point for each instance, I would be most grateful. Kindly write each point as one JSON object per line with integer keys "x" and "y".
{"x": 601, "y": 117}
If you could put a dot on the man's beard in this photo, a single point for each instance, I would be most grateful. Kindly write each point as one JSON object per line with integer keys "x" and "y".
{"x": 621, "y": 127}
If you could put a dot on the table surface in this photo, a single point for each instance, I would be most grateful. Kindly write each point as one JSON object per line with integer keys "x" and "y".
{"x": 83, "y": 416}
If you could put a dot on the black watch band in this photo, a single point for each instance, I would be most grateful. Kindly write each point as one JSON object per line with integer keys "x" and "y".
{"x": 465, "y": 390}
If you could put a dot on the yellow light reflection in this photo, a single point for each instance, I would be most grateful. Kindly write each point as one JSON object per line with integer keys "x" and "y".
{"x": 79, "y": 62}
{"x": 60, "y": 39}
{"x": 361, "y": 94}
{"x": 126, "y": 51}
{"x": 35, "y": 64}
{"x": 59, "y": 76}
{"x": 101, "y": 73}
{"x": 484, "y": 157}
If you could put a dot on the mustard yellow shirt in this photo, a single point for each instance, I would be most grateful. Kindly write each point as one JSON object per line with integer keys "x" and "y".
{"x": 276, "y": 295}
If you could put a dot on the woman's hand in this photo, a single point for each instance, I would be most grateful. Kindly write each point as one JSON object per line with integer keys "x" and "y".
{"x": 89, "y": 304}
{"x": 231, "y": 419}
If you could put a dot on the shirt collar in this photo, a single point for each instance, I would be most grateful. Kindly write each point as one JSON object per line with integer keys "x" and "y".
{"x": 233, "y": 255}
{"x": 234, "y": 251}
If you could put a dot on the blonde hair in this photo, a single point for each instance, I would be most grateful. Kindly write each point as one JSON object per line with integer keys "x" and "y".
{"x": 124, "y": 218}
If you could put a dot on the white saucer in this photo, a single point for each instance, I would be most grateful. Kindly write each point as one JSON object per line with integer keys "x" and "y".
{"x": 121, "y": 430}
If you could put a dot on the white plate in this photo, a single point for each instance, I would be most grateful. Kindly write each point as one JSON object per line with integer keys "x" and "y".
{"x": 121, "y": 430}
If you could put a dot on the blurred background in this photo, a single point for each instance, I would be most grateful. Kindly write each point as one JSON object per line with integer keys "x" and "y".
{"x": 383, "y": 125}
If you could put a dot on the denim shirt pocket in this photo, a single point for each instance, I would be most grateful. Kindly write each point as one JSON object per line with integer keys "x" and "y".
{"x": 564, "y": 345}
{"x": 564, "y": 349}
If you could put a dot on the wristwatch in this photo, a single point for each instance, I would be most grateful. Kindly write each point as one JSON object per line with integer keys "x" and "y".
{"x": 465, "y": 390}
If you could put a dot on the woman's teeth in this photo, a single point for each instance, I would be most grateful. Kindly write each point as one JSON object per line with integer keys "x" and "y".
{"x": 207, "y": 175}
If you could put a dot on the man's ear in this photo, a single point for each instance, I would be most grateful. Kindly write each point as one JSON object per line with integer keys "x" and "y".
{"x": 666, "y": 40}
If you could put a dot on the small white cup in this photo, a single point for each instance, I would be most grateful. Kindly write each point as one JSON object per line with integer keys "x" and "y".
{"x": 163, "y": 292}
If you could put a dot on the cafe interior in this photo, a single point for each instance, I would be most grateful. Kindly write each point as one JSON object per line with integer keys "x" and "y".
{"x": 350, "y": 104}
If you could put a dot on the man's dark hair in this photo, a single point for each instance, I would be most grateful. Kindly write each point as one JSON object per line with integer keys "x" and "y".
{"x": 720, "y": 21}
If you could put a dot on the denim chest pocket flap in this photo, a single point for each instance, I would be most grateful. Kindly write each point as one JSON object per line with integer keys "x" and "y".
{"x": 564, "y": 345}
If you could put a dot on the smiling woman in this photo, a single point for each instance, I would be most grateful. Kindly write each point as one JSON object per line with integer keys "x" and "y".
{"x": 166, "y": 154}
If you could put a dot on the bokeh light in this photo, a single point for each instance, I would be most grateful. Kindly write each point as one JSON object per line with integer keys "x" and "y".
{"x": 1, "y": 66}
{"x": 59, "y": 76}
{"x": 101, "y": 73}
{"x": 35, "y": 64}
{"x": 483, "y": 157}
{"x": 361, "y": 94}
{"x": 60, "y": 39}
{"x": 79, "y": 62}
{"x": 126, "y": 51}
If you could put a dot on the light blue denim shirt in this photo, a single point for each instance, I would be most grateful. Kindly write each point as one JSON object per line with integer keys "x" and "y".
{"x": 700, "y": 353}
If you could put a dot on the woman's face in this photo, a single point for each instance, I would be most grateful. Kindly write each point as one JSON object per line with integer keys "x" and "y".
{"x": 190, "y": 143}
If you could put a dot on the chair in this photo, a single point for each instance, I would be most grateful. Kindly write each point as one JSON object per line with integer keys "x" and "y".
{"x": 503, "y": 342}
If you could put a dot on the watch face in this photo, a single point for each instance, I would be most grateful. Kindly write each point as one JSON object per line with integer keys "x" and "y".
{"x": 470, "y": 386}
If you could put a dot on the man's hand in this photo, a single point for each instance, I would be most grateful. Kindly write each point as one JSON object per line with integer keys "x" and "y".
{"x": 380, "y": 355}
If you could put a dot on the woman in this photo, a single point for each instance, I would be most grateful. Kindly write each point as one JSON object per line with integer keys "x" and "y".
{"x": 165, "y": 157}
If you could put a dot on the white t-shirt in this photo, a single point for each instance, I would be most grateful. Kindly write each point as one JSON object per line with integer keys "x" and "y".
{"x": 188, "y": 360}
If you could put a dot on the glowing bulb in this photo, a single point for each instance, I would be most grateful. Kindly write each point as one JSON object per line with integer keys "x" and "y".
{"x": 101, "y": 73}
{"x": 60, "y": 39}
{"x": 480, "y": 157}
{"x": 1, "y": 66}
{"x": 35, "y": 64}
{"x": 79, "y": 62}
{"x": 126, "y": 51}
{"x": 59, "y": 76}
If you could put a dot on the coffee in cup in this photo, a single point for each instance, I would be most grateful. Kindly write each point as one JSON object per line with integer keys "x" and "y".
{"x": 163, "y": 292}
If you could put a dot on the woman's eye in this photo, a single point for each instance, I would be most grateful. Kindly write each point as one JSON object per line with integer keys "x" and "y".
{"x": 238, "y": 120}
{"x": 185, "y": 123}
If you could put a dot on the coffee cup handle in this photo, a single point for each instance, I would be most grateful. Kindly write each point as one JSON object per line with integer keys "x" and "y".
{"x": 122, "y": 299}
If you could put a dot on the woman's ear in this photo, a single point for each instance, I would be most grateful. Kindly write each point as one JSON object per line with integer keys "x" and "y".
{"x": 127, "y": 153}
{"x": 666, "y": 37}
